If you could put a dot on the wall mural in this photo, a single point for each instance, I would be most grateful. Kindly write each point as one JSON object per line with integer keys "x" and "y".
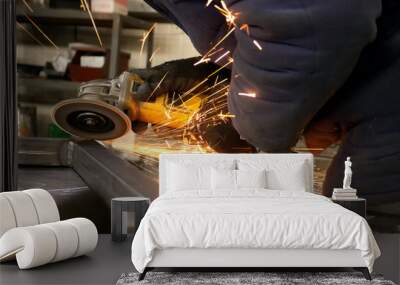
{"x": 259, "y": 86}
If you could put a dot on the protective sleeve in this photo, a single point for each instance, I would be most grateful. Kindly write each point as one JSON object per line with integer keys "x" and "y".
{"x": 297, "y": 55}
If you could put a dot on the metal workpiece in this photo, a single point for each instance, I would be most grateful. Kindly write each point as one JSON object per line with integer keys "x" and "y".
{"x": 99, "y": 167}
{"x": 126, "y": 214}
{"x": 109, "y": 175}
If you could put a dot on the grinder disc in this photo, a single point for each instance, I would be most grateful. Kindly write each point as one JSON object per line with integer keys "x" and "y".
{"x": 91, "y": 119}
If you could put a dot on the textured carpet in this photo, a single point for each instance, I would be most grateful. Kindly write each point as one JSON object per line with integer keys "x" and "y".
{"x": 243, "y": 278}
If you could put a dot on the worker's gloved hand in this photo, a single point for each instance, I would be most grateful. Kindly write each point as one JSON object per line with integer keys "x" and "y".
{"x": 176, "y": 76}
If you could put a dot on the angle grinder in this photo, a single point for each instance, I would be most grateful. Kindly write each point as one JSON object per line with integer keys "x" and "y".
{"x": 107, "y": 109}
{"x": 103, "y": 110}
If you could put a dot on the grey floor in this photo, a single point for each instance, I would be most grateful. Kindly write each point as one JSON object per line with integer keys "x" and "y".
{"x": 111, "y": 259}
{"x": 102, "y": 266}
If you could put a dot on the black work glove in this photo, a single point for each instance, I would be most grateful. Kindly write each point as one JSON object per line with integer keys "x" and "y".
{"x": 177, "y": 76}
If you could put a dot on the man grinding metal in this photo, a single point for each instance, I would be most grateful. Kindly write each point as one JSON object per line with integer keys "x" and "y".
{"x": 329, "y": 70}
{"x": 326, "y": 70}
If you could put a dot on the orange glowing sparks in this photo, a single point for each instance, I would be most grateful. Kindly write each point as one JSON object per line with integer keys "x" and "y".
{"x": 223, "y": 116}
{"x": 222, "y": 56}
{"x": 228, "y": 14}
{"x": 245, "y": 27}
{"x": 307, "y": 149}
{"x": 188, "y": 137}
{"x": 167, "y": 114}
{"x": 220, "y": 90}
{"x": 191, "y": 90}
{"x": 145, "y": 36}
{"x": 222, "y": 67}
{"x": 252, "y": 95}
{"x": 82, "y": 6}
{"x": 210, "y": 53}
{"x": 158, "y": 86}
{"x": 257, "y": 44}
{"x": 202, "y": 60}
{"x": 29, "y": 34}
{"x": 153, "y": 54}
{"x": 224, "y": 5}
{"x": 27, "y": 6}
{"x": 216, "y": 51}
{"x": 162, "y": 137}
{"x": 41, "y": 31}
{"x": 219, "y": 42}
{"x": 230, "y": 18}
{"x": 212, "y": 87}
{"x": 208, "y": 3}
{"x": 86, "y": 8}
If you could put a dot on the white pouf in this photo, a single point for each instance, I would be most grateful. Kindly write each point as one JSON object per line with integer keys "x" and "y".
{"x": 32, "y": 246}
{"x": 26, "y": 208}
{"x": 45, "y": 205}
{"x": 23, "y": 208}
{"x": 87, "y": 233}
{"x": 66, "y": 237}
{"x": 7, "y": 219}
{"x": 41, "y": 244}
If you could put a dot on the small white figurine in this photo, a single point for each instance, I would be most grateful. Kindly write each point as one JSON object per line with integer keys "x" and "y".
{"x": 348, "y": 173}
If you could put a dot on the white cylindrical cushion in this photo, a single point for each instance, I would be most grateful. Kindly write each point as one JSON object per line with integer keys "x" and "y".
{"x": 67, "y": 240}
{"x": 45, "y": 205}
{"x": 41, "y": 244}
{"x": 7, "y": 218}
{"x": 23, "y": 208}
{"x": 34, "y": 246}
{"x": 87, "y": 234}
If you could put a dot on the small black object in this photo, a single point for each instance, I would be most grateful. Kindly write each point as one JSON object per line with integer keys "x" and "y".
{"x": 126, "y": 214}
{"x": 357, "y": 205}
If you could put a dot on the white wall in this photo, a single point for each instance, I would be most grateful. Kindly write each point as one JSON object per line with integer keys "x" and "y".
{"x": 172, "y": 43}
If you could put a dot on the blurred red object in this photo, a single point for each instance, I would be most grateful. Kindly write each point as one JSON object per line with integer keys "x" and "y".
{"x": 79, "y": 73}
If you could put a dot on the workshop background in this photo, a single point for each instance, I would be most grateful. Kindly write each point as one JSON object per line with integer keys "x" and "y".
{"x": 58, "y": 47}
{"x": 170, "y": 42}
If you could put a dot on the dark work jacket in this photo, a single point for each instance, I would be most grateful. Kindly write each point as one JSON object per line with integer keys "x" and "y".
{"x": 336, "y": 60}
